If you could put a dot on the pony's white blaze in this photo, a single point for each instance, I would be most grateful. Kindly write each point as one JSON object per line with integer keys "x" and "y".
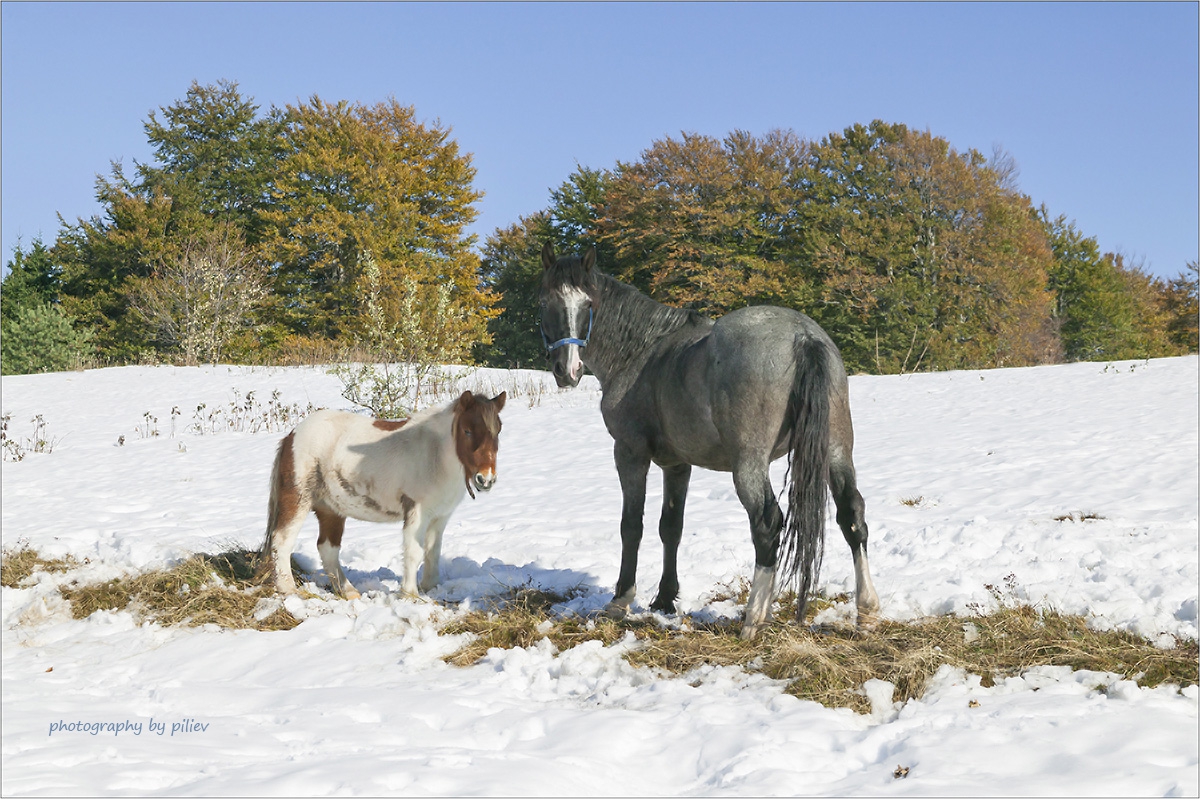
{"x": 341, "y": 465}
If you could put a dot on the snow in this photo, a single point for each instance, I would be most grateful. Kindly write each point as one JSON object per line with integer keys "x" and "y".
{"x": 965, "y": 474}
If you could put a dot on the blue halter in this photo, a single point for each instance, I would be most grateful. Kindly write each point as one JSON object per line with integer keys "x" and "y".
{"x": 562, "y": 342}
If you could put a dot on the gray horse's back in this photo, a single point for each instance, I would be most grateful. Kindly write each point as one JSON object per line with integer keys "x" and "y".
{"x": 729, "y": 393}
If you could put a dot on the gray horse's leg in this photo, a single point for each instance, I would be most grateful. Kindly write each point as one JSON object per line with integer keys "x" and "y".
{"x": 632, "y": 468}
{"x": 852, "y": 520}
{"x": 670, "y": 530}
{"x": 753, "y": 483}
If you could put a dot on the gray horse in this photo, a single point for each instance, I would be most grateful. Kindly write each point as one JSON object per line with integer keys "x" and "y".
{"x": 681, "y": 390}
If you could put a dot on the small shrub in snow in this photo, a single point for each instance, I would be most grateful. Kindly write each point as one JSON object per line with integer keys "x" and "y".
{"x": 16, "y": 449}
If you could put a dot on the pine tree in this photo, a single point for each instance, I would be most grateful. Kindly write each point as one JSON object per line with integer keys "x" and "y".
{"x": 512, "y": 269}
{"x": 214, "y": 155}
{"x": 1106, "y": 310}
{"x": 39, "y": 337}
{"x": 33, "y": 278}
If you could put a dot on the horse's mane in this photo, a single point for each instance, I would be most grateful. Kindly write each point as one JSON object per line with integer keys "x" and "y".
{"x": 635, "y": 323}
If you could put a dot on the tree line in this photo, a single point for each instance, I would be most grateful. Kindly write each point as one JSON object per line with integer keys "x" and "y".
{"x": 337, "y": 231}
{"x": 912, "y": 255}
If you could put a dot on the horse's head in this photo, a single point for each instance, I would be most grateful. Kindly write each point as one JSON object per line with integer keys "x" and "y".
{"x": 477, "y": 437}
{"x": 567, "y": 296}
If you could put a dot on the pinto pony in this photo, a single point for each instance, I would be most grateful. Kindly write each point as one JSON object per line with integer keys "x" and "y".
{"x": 416, "y": 471}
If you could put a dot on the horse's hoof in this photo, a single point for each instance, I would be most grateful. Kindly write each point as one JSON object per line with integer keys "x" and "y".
{"x": 351, "y": 594}
{"x": 666, "y": 608}
{"x": 615, "y": 611}
{"x": 867, "y": 622}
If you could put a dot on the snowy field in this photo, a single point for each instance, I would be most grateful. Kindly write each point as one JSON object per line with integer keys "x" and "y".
{"x": 964, "y": 473}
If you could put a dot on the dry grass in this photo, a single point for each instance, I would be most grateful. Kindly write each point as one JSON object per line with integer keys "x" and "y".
{"x": 829, "y": 664}
{"x": 523, "y": 618}
{"x": 218, "y": 589}
{"x": 16, "y": 565}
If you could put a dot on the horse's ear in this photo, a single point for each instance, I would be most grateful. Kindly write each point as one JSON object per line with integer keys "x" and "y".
{"x": 589, "y": 259}
{"x": 466, "y": 400}
{"x": 499, "y": 400}
{"x": 547, "y": 255}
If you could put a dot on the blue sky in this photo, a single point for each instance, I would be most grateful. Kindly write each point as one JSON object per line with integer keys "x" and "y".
{"x": 1097, "y": 102}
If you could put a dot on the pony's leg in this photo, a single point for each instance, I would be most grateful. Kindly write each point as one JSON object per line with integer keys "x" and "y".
{"x": 293, "y": 508}
{"x": 753, "y": 483}
{"x": 283, "y": 543}
{"x": 632, "y": 468}
{"x": 852, "y": 520}
{"x": 289, "y": 503}
{"x": 431, "y": 574}
{"x": 670, "y": 530}
{"x": 329, "y": 545}
{"x": 414, "y": 544}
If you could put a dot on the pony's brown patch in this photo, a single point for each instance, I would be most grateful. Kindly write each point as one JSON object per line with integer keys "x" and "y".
{"x": 331, "y": 524}
{"x": 390, "y": 425}
{"x": 286, "y": 492}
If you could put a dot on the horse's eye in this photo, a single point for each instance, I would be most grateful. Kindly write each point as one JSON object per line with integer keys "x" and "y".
{"x": 468, "y": 432}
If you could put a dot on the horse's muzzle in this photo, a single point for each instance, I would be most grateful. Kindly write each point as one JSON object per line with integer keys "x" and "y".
{"x": 484, "y": 483}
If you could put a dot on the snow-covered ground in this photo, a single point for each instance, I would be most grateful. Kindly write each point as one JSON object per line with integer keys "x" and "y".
{"x": 964, "y": 473}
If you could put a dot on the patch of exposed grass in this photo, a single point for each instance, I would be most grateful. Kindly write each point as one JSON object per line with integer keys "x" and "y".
{"x": 16, "y": 565}
{"x": 523, "y": 617}
{"x": 913, "y": 502}
{"x": 1079, "y": 516}
{"x": 221, "y": 589}
{"x": 829, "y": 664}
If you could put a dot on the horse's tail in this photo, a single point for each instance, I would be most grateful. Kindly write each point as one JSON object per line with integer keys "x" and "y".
{"x": 802, "y": 540}
{"x": 265, "y": 552}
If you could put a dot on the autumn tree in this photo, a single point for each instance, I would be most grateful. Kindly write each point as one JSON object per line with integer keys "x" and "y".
{"x": 923, "y": 256}
{"x": 371, "y": 179}
{"x": 1179, "y": 304}
{"x": 703, "y": 223}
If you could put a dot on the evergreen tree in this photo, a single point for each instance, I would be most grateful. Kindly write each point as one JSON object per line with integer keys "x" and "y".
{"x": 100, "y": 256}
{"x": 1105, "y": 309}
{"x": 32, "y": 279}
{"x": 214, "y": 156}
{"x": 512, "y": 269}
{"x": 39, "y": 337}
